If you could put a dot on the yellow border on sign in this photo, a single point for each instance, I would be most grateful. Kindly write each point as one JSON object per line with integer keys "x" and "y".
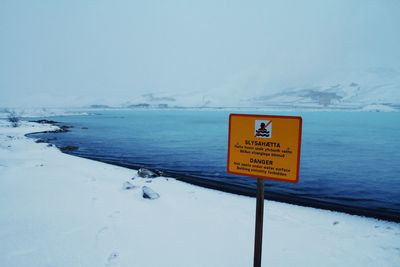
{"x": 294, "y": 163}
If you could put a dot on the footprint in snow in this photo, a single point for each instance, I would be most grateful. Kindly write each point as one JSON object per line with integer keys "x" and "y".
{"x": 111, "y": 259}
{"x": 127, "y": 185}
{"x": 102, "y": 230}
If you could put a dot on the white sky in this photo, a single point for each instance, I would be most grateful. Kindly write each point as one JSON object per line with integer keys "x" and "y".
{"x": 71, "y": 53}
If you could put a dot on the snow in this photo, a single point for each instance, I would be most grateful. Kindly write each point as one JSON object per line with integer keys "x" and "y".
{"x": 61, "y": 210}
{"x": 378, "y": 108}
{"x": 44, "y": 112}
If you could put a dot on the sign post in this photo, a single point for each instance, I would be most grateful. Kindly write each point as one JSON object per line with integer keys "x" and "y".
{"x": 259, "y": 223}
{"x": 264, "y": 147}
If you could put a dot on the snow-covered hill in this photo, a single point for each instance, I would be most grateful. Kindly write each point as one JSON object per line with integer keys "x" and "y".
{"x": 378, "y": 89}
{"x": 374, "y": 89}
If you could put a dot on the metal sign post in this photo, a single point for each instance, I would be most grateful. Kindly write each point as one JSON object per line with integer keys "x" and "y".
{"x": 259, "y": 223}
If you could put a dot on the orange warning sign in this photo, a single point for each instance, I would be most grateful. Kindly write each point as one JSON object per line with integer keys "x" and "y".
{"x": 265, "y": 146}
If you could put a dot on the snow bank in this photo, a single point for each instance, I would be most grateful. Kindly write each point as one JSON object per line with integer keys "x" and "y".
{"x": 60, "y": 210}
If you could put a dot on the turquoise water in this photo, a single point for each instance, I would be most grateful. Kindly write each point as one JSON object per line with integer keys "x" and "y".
{"x": 348, "y": 159}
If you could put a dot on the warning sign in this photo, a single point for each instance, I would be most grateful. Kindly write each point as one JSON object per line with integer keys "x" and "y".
{"x": 265, "y": 146}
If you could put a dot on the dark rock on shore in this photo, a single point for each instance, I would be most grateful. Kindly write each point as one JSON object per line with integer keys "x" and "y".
{"x": 45, "y": 121}
{"x": 146, "y": 173}
{"x": 45, "y": 140}
{"x": 68, "y": 148}
{"x": 63, "y": 129}
{"x": 149, "y": 193}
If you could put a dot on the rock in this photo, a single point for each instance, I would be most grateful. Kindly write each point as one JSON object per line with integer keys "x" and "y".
{"x": 145, "y": 173}
{"x": 63, "y": 129}
{"x": 45, "y": 121}
{"x": 68, "y": 148}
{"x": 127, "y": 185}
{"x": 149, "y": 193}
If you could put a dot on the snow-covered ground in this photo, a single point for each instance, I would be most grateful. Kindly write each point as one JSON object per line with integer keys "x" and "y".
{"x": 60, "y": 210}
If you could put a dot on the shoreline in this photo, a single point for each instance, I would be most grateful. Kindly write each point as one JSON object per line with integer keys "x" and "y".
{"x": 249, "y": 192}
{"x": 229, "y": 188}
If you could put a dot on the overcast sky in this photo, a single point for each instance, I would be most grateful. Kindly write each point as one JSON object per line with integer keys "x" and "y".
{"x": 71, "y": 53}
